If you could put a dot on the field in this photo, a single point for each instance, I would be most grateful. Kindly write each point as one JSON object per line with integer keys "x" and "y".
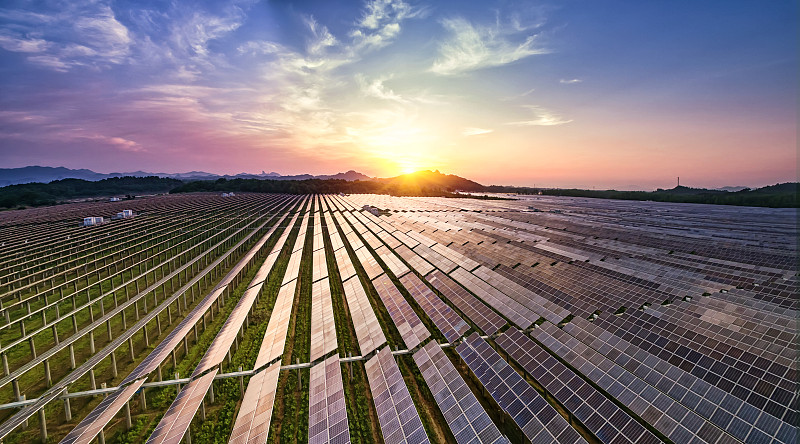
{"x": 368, "y": 318}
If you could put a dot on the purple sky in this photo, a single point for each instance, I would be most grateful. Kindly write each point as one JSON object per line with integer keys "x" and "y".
{"x": 568, "y": 93}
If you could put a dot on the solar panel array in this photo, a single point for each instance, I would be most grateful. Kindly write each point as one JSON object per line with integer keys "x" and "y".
{"x": 511, "y": 309}
{"x": 323, "y": 327}
{"x": 537, "y": 419}
{"x": 173, "y": 425}
{"x": 620, "y": 321}
{"x": 478, "y": 312}
{"x": 445, "y": 318}
{"x": 408, "y": 324}
{"x": 252, "y": 422}
{"x": 465, "y": 416}
{"x": 101, "y": 415}
{"x": 399, "y": 420}
{"x": 272, "y": 345}
{"x": 605, "y": 419}
{"x": 327, "y": 415}
{"x": 90, "y": 427}
{"x": 368, "y": 329}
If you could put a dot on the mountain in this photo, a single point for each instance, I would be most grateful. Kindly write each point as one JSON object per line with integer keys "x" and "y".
{"x": 40, "y": 174}
{"x": 349, "y": 176}
{"x": 423, "y": 182}
{"x": 12, "y": 176}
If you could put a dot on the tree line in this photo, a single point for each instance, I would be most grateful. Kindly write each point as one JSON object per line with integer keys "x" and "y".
{"x": 40, "y": 194}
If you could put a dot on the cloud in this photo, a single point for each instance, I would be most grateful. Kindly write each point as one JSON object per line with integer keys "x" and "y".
{"x": 542, "y": 117}
{"x": 260, "y": 47}
{"x": 119, "y": 143}
{"x": 20, "y": 44}
{"x": 472, "y": 47}
{"x": 475, "y": 131}
{"x": 48, "y": 61}
{"x": 193, "y": 34}
{"x": 376, "y": 88}
{"x": 321, "y": 38}
{"x": 569, "y": 81}
{"x": 104, "y": 34}
{"x": 380, "y": 23}
{"x": 79, "y": 34}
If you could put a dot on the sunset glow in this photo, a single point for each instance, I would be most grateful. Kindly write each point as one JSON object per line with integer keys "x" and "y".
{"x": 630, "y": 95}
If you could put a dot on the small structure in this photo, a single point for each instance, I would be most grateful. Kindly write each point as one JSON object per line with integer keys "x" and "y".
{"x": 374, "y": 210}
{"x": 91, "y": 221}
{"x": 124, "y": 214}
{"x": 114, "y": 199}
{"x": 231, "y": 194}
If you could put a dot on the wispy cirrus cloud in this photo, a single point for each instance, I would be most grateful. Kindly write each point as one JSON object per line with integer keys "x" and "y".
{"x": 23, "y": 44}
{"x": 473, "y": 131}
{"x": 80, "y": 34}
{"x": 380, "y": 23}
{"x": 569, "y": 81}
{"x": 471, "y": 47}
{"x": 119, "y": 143}
{"x": 376, "y": 88}
{"x": 541, "y": 117}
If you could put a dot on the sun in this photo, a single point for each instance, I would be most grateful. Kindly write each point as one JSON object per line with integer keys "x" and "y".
{"x": 409, "y": 169}
{"x": 407, "y": 165}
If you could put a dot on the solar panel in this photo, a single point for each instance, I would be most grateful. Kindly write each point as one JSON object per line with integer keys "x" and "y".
{"x": 368, "y": 329}
{"x": 368, "y": 262}
{"x": 176, "y": 420}
{"x": 398, "y": 418}
{"x": 538, "y": 304}
{"x": 462, "y": 261}
{"x": 465, "y": 416}
{"x": 253, "y": 420}
{"x": 327, "y": 412}
{"x": 165, "y": 347}
{"x": 408, "y": 324}
{"x": 319, "y": 265}
{"x": 537, "y": 419}
{"x": 726, "y": 409}
{"x": 599, "y": 414}
{"x": 674, "y": 420}
{"x": 395, "y": 265}
{"x": 225, "y": 337}
{"x": 444, "y": 317}
{"x": 293, "y": 269}
{"x": 511, "y": 309}
{"x": 416, "y": 261}
{"x": 483, "y": 316}
{"x": 323, "y": 328}
{"x": 93, "y": 424}
{"x": 344, "y": 264}
{"x": 439, "y": 261}
{"x": 275, "y": 336}
{"x": 388, "y": 239}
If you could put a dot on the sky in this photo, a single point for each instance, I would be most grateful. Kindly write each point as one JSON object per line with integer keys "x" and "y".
{"x": 567, "y": 93}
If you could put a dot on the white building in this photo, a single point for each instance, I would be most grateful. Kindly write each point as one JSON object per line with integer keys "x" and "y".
{"x": 90, "y": 221}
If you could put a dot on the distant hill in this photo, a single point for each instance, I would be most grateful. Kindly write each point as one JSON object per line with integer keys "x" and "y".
{"x": 422, "y": 183}
{"x": 39, "y": 194}
{"x": 782, "y": 195}
{"x": 13, "y": 176}
{"x": 40, "y": 174}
